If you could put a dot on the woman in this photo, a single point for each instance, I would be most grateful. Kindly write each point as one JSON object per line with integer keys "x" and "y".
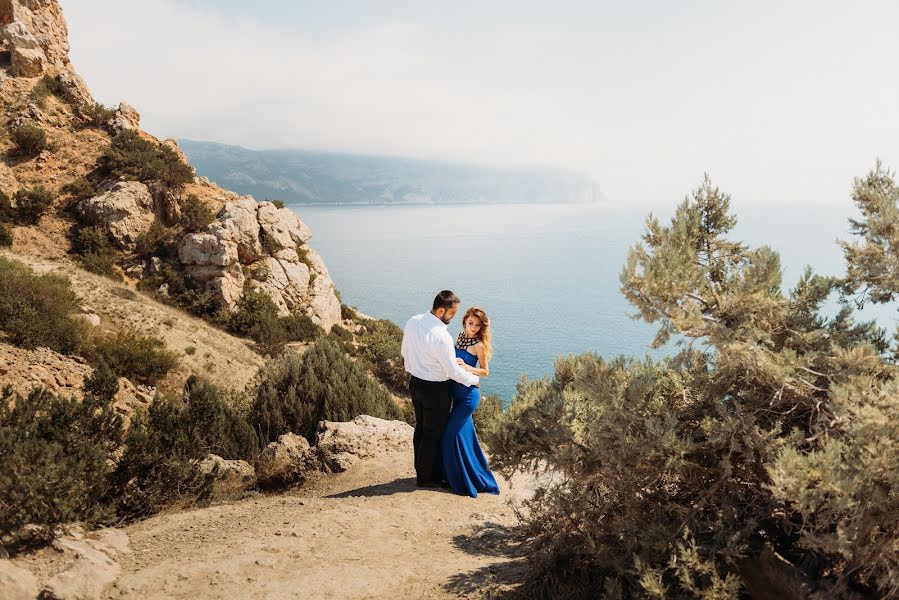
{"x": 466, "y": 468}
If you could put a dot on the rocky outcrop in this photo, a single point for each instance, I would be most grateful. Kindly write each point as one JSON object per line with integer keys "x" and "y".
{"x": 125, "y": 211}
{"x": 231, "y": 476}
{"x": 16, "y": 583}
{"x": 35, "y": 33}
{"x": 94, "y": 565}
{"x": 26, "y": 369}
{"x": 260, "y": 247}
{"x": 284, "y": 462}
{"x": 340, "y": 445}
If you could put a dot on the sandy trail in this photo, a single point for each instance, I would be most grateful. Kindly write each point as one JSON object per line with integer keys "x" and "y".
{"x": 365, "y": 533}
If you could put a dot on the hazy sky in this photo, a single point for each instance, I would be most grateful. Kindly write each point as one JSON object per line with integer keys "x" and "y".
{"x": 778, "y": 101}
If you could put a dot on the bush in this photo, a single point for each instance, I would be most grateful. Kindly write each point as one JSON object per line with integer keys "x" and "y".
{"x": 257, "y": 317}
{"x": 181, "y": 291}
{"x": 35, "y": 309}
{"x": 5, "y": 235}
{"x": 347, "y": 313}
{"x": 31, "y": 204}
{"x": 7, "y": 212}
{"x": 54, "y": 457}
{"x": 80, "y": 189}
{"x": 133, "y": 157}
{"x": 195, "y": 216}
{"x": 340, "y": 333}
{"x": 488, "y": 414}
{"x": 97, "y": 115}
{"x": 47, "y": 86}
{"x": 293, "y": 393}
{"x": 96, "y": 251}
{"x": 141, "y": 358}
{"x": 150, "y": 242}
{"x": 164, "y": 445}
{"x": 380, "y": 349}
{"x": 30, "y": 140}
{"x": 675, "y": 478}
{"x": 278, "y": 203}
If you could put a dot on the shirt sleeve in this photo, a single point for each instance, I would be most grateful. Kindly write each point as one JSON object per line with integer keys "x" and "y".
{"x": 448, "y": 362}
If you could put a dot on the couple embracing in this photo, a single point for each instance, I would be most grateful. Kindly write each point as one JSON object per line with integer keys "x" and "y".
{"x": 444, "y": 385}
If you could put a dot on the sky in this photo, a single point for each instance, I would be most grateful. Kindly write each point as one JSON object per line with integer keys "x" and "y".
{"x": 777, "y": 101}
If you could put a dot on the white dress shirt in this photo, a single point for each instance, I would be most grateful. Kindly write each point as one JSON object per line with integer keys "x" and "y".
{"x": 428, "y": 351}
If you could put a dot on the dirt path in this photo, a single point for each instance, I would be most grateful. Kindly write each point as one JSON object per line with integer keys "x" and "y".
{"x": 365, "y": 533}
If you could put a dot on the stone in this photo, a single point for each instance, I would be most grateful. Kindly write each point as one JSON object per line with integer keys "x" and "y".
{"x": 74, "y": 89}
{"x": 94, "y": 570}
{"x": 240, "y": 219}
{"x": 207, "y": 249}
{"x": 284, "y": 461}
{"x": 18, "y": 36}
{"x": 16, "y": 583}
{"x": 125, "y": 211}
{"x": 27, "y": 62}
{"x": 338, "y": 445}
{"x": 231, "y": 476}
{"x": 126, "y": 117}
{"x": 89, "y": 318}
{"x": 275, "y": 225}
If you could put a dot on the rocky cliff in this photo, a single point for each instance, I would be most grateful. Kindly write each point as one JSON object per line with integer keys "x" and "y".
{"x": 248, "y": 246}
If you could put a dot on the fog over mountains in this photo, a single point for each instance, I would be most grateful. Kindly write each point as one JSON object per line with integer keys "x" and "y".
{"x": 305, "y": 177}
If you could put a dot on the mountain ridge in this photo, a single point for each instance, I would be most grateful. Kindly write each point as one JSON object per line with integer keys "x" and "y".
{"x": 317, "y": 177}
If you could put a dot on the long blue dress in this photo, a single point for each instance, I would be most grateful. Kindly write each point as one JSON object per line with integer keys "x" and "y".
{"x": 463, "y": 461}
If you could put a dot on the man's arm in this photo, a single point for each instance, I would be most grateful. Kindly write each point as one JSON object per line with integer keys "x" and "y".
{"x": 447, "y": 358}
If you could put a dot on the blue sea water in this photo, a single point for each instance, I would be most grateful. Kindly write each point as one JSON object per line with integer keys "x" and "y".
{"x": 547, "y": 275}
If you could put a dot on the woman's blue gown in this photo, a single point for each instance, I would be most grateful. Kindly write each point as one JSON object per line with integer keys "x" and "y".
{"x": 464, "y": 462}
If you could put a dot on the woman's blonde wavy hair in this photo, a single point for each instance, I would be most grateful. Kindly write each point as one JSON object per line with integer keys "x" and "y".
{"x": 483, "y": 335}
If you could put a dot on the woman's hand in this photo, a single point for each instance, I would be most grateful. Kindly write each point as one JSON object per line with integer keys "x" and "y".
{"x": 460, "y": 362}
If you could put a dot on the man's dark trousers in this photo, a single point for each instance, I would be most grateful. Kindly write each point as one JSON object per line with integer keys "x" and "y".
{"x": 431, "y": 400}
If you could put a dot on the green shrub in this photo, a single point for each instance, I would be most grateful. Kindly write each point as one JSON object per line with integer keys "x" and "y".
{"x": 5, "y": 235}
{"x": 674, "y": 478}
{"x": 141, "y": 358}
{"x": 278, "y": 203}
{"x": 252, "y": 309}
{"x": 35, "y": 309}
{"x": 340, "y": 333}
{"x": 30, "y": 140}
{"x": 380, "y": 348}
{"x": 217, "y": 427}
{"x": 7, "y": 212}
{"x": 195, "y": 216}
{"x": 47, "y": 86}
{"x": 31, "y": 204}
{"x": 181, "y": 291}
{"x": 300, "y": 327}
{"x": 96, "y": 251}
{"x": 150, "y": 242}
{"x": 80, "y": 189}
{"x": 133, "y": 157}
{"x": 54, "y": 455}
{"x": 97, "y": 115}
{"x": 270, "y": 335}
{"x": 347, "y": 313}
{"x": 293, "y": 393}
{"x": 488, "y": 414}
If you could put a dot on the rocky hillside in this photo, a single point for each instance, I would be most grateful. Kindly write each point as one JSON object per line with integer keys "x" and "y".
{"x": 56, "y": 144}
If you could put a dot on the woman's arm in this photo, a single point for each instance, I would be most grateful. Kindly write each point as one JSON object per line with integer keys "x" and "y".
{"x": 484, "y": 370}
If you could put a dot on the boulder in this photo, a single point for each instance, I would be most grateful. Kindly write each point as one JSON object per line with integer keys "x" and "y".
{"x": 240, "y": 219}
{"x": 16, "y": 583}
{"x": 231, "y": 476}
{"x": 18, "y": 36}
{"x": 340, "y": 445}
{"x": 207, "y": 249}
{"x": 94, "y": 569}
{"x": 126, "y": 117}
{"x": 27, "y": 62}
{"x": 125, "y": 211}
{"x": 281, "y": 227}
{"x": 74, "y": 89}
{"x": 284, "y": 462}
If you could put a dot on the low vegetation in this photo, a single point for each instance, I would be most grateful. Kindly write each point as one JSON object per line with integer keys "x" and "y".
{"x": 378, "y": 346}
{"x": 32, "y": 203}
{"x": 770, "y": 430}
{"x": 29, "y": 139}
{"x": 35, "y": 309}
{"x": 96, "y": 251}
{"x": 80, "y": 189}
{"x": 195, "y": 216}
{"x": 45, "y": 87}
{"x": 257, "y": 317}
{"x": 97, "y": 115}
{"x": 5, "y": 235}
{"x": 293, "y": 392}
{"x": 133, "y": 157}
{"x": 132, "y": 354}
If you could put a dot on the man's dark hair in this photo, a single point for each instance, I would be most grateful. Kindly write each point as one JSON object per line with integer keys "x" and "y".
{"x": 445, "y": 299}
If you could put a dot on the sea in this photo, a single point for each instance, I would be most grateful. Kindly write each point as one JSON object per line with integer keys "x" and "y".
{"x": 547, "y": 275}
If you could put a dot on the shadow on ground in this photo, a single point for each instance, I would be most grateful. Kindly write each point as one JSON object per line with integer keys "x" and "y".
{"x": 397, "y": 486}
{"x": 500, "y": 578}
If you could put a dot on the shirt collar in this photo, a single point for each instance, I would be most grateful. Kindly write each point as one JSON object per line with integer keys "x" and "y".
{"x": 434, "y": 318}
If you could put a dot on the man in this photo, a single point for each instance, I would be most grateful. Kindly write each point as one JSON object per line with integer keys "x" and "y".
{"x": 430, "y": 360}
